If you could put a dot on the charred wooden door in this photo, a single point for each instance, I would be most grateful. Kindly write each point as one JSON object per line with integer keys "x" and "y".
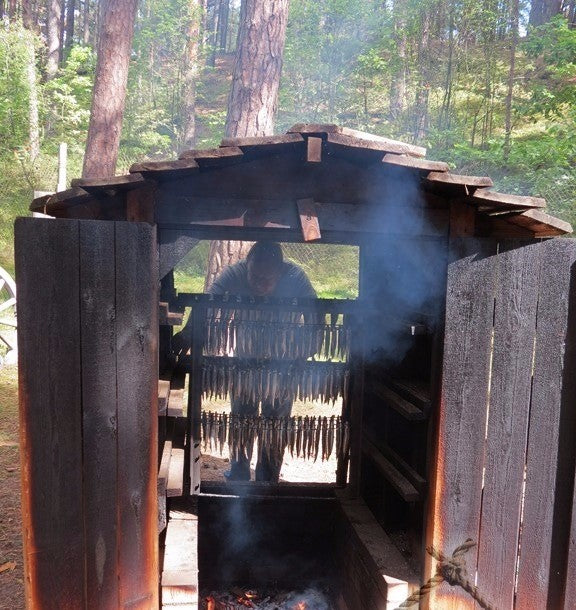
{"x": 504, "y": 471}
{"x": 87, "y": 332}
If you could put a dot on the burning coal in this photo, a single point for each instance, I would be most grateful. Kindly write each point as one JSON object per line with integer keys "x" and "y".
{"x": 238, "y": 599}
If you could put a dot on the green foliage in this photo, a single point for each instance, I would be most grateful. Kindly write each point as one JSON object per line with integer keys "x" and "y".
{"x": 16, "y": 53}
{"x": 69, "y": 96}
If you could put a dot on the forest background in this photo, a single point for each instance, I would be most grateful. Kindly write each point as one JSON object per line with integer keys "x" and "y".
{"x": 486, "y": 85}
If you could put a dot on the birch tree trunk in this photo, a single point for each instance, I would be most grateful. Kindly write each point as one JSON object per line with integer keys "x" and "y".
{"x": 109, "y": 94}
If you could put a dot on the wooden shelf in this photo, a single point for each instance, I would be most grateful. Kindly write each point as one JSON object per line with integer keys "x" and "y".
{"x": 399, "y": 482}
{"x": 393, "y": 400}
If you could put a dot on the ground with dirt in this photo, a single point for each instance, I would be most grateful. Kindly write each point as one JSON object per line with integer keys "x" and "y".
{"x": 11, "y": 568}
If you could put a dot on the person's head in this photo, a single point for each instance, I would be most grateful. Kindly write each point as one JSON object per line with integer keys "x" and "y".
{"x": 264, "y": 261}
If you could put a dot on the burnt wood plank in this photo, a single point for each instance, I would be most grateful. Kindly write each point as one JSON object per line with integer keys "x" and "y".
{"x": 550, "y": 456}
{"x": 126, "y": 182}
{"x": 137, "y": 374}
{"x": 485, "y": 197}
{"x": 370, "y": 149}
{"x": 60, "y": 200}
{"x": 100, "y": 456}
{"x": 507, "y": 430}
{"x": 281, "y": 214}
{"x": 165, "y": 169}
{"x": 264, "y": 142}
{"x": 456, "y": 490}
{"x": 570, "y": 590}
{"x": 413, "y": 163}
{"x": 541, "y": 223}
{"x": 47, "y": 273}
{"x": 214, "y": 157}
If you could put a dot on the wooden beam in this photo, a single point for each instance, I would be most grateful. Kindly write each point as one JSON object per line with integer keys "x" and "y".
{"x": 458, "y": 183}
{"x": 309, "y": 220}
{"x": 314, "y": 150}
{"x": 279, "y": 214}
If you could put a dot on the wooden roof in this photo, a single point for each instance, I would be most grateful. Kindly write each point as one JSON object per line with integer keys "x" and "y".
{"x": 355, "y": 180}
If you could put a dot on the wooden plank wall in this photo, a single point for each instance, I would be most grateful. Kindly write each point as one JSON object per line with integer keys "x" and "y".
{"x": 505, "y": 460}
{"x": 87, "y": 331}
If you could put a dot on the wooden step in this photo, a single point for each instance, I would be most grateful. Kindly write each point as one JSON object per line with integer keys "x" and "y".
{"x": 179, "y": 583}
{"x": 163, "y": 483}
{"x": 175, "y": 403}
{"x": 163, "y": 391}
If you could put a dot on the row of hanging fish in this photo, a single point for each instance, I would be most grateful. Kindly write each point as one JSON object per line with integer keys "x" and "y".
{"x": 254, "y": 381}
{"x": 305, "y": 437}
{"x": 265, "y": 339}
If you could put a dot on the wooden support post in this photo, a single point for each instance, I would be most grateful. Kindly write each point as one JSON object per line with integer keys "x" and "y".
{"x": 462, "y": 219}
{"x": 355, "y": 409}
{"x": 140, "y": 205}
{"x": 194, "y": 415}
{"x": 314, "y": 150}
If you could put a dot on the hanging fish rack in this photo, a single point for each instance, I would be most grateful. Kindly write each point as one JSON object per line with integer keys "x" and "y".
{"x": 267, "y": 349}
{"x": 306, "y": 436}
{"x": 252, "y": 380}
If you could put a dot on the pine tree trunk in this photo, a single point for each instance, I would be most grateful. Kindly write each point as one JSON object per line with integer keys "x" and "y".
{"x": 28, "y": 15}
{"x": 53, "y": 31}
{"x": 398, "y": 74}
{"x": 223, "y": 18}
{"x": 222, "y": 254}
{"x": 514, "y": 18}
{"x": 86, "y": 22}
{"x": 542, "y": 11}
{"x": 70, "y": 24}
{"x": 109, "y": 93}
{"x": 423, "y": 86}
{"x": 253, "y": 99}
{"x": 191, "y": 73}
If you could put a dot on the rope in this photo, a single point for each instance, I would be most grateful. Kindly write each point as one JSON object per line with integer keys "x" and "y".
{"x": 452, "y": 570}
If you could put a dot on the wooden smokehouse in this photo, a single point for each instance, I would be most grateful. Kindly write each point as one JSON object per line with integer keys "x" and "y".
{"x": 454, "y": 370}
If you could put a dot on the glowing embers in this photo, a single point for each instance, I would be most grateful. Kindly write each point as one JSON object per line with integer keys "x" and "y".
{"x": 239, "y": 599}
